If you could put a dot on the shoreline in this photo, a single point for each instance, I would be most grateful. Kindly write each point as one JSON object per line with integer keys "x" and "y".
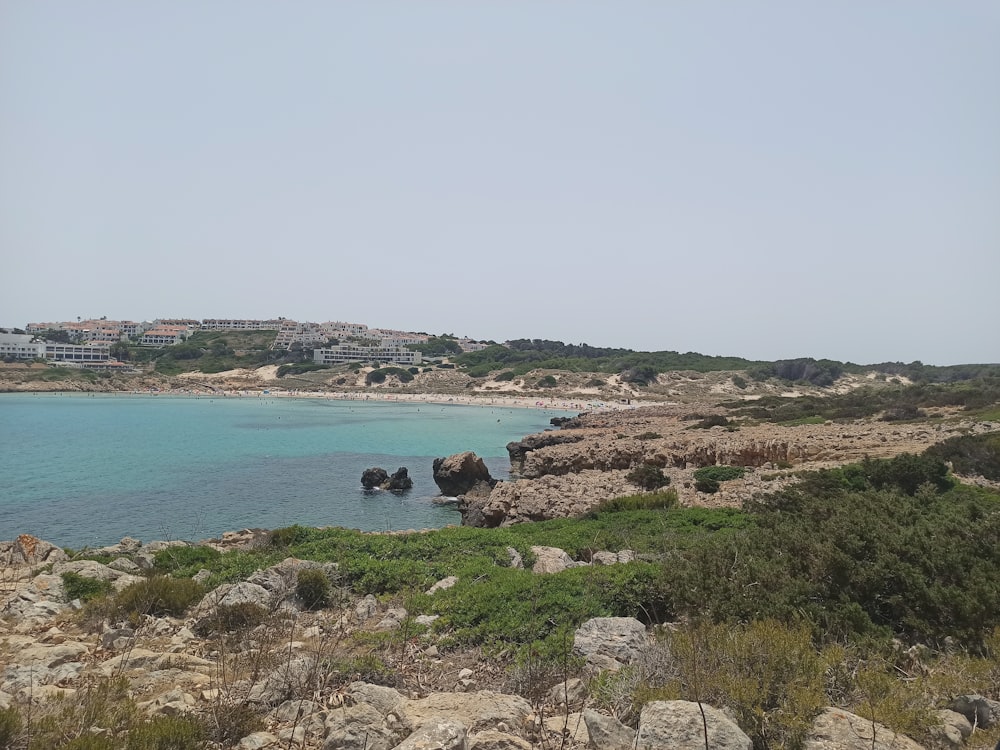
{"x": 516, "y": 402}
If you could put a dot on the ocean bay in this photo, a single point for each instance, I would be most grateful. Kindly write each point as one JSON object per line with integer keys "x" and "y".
{"x": 89, "y": 469}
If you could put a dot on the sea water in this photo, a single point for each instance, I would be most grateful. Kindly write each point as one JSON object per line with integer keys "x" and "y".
{"x": 86, "y": 470}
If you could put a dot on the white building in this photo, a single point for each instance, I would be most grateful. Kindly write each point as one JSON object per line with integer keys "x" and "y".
{"x": 344, "y": 353}
{"x": 164, "y": 336}
{"x": 77, "y": 353}
{"x": 20, "y": 346}
{"x": 240, "y": 324}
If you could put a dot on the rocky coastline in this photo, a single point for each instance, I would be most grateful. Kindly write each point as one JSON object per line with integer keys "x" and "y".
{"x": 284, "y": 678}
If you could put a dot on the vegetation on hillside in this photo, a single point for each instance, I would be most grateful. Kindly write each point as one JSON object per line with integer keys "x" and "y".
{"x": 522, "y": 355}
{"x": 893, "y": 402}
{"x": 787, "y": 605}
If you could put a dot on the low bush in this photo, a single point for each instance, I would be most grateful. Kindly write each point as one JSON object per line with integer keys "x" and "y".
{"x": 505, "y": 376}
{"x": 708, "y": 486}
{"x": 648, "y": 476}
{"x": 547, "y": 381}
{"x": 719, "y": 473}
{"x": 168, "y": 733}
{"x": 648, "y": 436}
{"x": 232, "y": 618}
{"x": 185, "y": 561}
{"x": 84, "y": 588}
{"x": 157, "y": 596}
{"x": 10, "y": 726}
{"x": 289, "y": 535}
{"x": 970, "y": 454}
{"x": 313, "y": 588}
{"x": 646, "y": 501}
{"x": 713, "y": 420}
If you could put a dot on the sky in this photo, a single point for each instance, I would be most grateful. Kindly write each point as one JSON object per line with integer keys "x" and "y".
{"x": 762, "y": 179}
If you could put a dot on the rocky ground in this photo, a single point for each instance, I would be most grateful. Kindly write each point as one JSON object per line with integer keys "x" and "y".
{"x": 307, "y": 681}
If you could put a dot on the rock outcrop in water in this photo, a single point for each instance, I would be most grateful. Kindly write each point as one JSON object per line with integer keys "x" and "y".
{"x": 462, "y": 473}
{"x": 379, "y": 478}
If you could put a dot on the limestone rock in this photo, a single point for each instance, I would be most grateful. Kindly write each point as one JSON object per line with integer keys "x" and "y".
{"x": 478, "y": 711}
{"x": 444, "y": 583}
{"x": 570, "y": 727}
{"x": 491, "y": 740}
{"x": 956, "y": 720}
{"x": 551, "y": 560}
{"x": 438, "y": 734}
{"x": 607, "y": 733}
{"x": 29, "y": 550}
{"x": 366, "y": 609}
{"x": 679, "y": 725}
{"x": 399, "y": 481}
{"x": 572, "y": 692}
{"x": 257, "y": 740}
{"x": 459, "y": 473}
{"x": 981, "y": 712}
{"x": 392, "y": 620}
{"x": 610, "y": 642}
{"x": 229, "y": 594}
{"x": 374, "y": 477}
{"x": 835, "y": 729}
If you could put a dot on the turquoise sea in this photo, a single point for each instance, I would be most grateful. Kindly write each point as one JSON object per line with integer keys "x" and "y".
{"x": 80, "y": 470}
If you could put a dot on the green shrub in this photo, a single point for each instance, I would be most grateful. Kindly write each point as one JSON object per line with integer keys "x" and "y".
{"x": 168, "y": 733}
{"x": 313, "y": 588}
{"x": 719, "y": 473}
{"x": 289, "y": 535}
{"x": 89, "y": 742}
{"x": 547, "y": 381}
{"x": 502, "y": 377}
{"x": 766, "y": 671}
{"x": 712, "y": 420}
{"x": 648, "y": 476}
{"x": 10, "y": 726}
{"x": 708, "y": 486}
{"x": 84, "y": 588}
{"x": 739, "y": 382}
{"x": 157, "y": 596}
{"x": 185, "y": 561}
{"x": 971, "y": 454}
{"x": 646, "y": 501}
{"x": 232, "y": 618}
{"x": 648, "y": 436}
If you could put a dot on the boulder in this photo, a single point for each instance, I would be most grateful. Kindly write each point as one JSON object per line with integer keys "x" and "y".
{"x": 569, "y": 727}
{"x": 607, "y": 733}
{"x": 679, "y": 725}
{"x": 399, "y": 481}
{"x": 379, "y": 478}
{"x": 519, "y": 449}
{"x": 492, "y": 740}
{"x": 572, "y": 692}
{"x": 371, "y": 718}
{"x": 460, "y": 473}
{"x": 439, "y": 734}
{"x": 373, "y": 478}
{"x": 835, "y": 729}
{"x": 552, "y": 560}
{"x": 610, "y": 642}
{"x": 981, "y": 712}
{"x": 444, "y": 583}
{"x": 479, "y": 711}
{"x": 29, "y": 550}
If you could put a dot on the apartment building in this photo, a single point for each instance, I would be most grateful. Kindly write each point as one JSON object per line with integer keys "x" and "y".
{"x": 164, "y": 335}
{"x": 241, "y": 324}
{"x": 387, "y": 355}
{"x": 20, "y": 346}
{"x": 77, "y": 352}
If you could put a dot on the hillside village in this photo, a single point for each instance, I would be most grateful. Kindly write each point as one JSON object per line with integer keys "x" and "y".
{"x": 91, "y": 344}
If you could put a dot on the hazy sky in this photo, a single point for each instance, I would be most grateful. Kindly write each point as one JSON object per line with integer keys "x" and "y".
{"x": 764, "y": 179}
